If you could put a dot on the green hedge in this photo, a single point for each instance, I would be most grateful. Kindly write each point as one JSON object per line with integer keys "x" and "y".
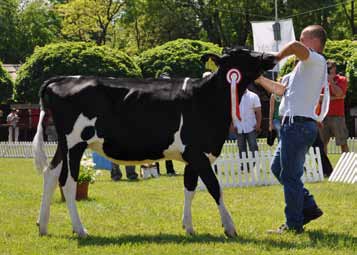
{"x": 339, "y": 51}
{"x": 351, "y": 73}
{"x": 70, "y": 59}
{"x": 180, "y": 58}
{"x": 6, "y": 85}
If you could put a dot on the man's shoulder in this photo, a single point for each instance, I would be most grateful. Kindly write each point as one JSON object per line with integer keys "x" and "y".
{"x": 251, "y": 93}
{"x": 315, "y": 57}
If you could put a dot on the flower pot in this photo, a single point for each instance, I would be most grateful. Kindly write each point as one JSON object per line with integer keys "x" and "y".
{"x": 81, "y": 192}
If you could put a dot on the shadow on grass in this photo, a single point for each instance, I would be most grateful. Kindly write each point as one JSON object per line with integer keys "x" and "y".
{"x": 316, "y": 239}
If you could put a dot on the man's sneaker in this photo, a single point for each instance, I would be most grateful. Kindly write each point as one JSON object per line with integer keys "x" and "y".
{"x": 311, "y": 214}
{"x": 116, "y": 174}
{"x": 285, "y": 229}
{"x": 172, "y": 173}
{"x": 132, "y": 176}
{"x": 154, "y": 172}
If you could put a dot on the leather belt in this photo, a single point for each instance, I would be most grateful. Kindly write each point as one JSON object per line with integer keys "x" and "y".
{"x": 298, "y": 119}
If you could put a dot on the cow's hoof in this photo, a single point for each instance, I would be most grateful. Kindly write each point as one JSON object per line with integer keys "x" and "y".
{"x": 230, "y": 233}
{"x": 190, "y": 231}
{"x": 83, "y": 233}
{"x": 42, "y": 232}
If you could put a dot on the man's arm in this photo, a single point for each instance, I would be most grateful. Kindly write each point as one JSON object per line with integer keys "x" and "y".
{"x": 271, "y": 86}
{"x": 258, "y": 116}
{"x": 294, "y": 48}
{"x": 271, "y": 112}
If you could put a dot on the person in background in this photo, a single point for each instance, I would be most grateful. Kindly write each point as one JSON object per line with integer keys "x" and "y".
{"x": 334, "y": 124}
{"x": 13, "y": 120}
{"x": 274, "y": 117}
{"x": 248, "y": 127}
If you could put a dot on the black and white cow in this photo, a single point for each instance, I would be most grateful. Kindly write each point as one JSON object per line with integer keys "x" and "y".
{"x": 136, "y": 121}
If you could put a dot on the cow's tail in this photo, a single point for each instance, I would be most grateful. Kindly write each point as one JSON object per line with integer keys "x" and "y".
{"x": 38, "y": 146}
{"x": 38, "y": 143}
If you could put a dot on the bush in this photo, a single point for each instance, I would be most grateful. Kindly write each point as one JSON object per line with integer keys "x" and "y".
{"x": 339, "y": 51}
{"x": 180, "y": 58}
{"x": 351, "y": 73}
{"x": 70, "y": 59}
{"x": 6, "y": 85}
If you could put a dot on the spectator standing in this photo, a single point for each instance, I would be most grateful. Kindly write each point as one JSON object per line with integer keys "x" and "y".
{"x": 299, "y": 128}
{"x": 334, "y": 124}
{"x": 13, "y": 120}
{"x": 248, "y": 126}
{"x": 274, "y": 117}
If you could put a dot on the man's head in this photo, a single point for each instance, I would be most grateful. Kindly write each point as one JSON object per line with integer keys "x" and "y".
{"x": 331, "y": 67}
{"x": 314, "y": 37}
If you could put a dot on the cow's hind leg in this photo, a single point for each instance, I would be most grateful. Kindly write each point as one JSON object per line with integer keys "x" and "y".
{"x": 202, "y": 166}
{"x": 69, "y": 188}
{"x": 190, "y": 182}
{"x": 50, "y": 181}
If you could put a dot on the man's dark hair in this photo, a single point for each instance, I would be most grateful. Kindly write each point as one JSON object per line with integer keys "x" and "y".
{"x": 330, "y": 64}
{"x": 317, "y": 31}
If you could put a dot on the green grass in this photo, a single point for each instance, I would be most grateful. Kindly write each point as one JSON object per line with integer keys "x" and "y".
{"x": 144, "y": 217}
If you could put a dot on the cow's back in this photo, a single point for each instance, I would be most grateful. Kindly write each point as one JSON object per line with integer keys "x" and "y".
{"x": 137, "y": 119}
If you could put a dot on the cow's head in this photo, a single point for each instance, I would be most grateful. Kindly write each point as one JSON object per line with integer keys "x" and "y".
{"x": 251, "y": 64}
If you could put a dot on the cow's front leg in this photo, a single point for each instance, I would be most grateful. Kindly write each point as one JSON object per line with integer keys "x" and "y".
{"x": 70, "y": 188}
{"x": 202, "y": 166}
{"x": 190, "y": 182}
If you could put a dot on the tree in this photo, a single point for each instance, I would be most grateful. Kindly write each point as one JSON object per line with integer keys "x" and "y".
{"x": 8, "y": 31}
{"x": 87, "y": 20}
{"x": 38, "y": 26}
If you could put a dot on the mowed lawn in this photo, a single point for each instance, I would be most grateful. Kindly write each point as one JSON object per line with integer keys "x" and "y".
{"x": 144, "y": 217}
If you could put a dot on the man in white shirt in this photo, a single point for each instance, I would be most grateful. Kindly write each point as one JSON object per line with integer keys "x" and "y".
{"x": 13, "y": 119}
{"x": 299, "y": 124}
{"x": 249, "y": 124}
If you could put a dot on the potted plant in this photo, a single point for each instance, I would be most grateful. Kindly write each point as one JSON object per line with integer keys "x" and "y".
{"x": 86, "y": 176}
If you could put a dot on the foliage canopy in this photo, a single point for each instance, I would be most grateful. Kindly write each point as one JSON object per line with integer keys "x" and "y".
{"x": 70, "y": 59}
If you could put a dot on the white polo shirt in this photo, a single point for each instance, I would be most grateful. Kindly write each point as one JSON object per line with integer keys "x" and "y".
{"x": 248, "y": 103}
{"x": 304, "y": 87}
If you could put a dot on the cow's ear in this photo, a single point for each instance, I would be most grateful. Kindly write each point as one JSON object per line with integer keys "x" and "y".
{"x": 268, "y": 61}
{"x": 215, "y": 58}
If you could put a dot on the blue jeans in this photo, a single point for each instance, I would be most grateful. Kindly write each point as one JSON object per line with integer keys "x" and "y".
{"x": 251, "y": 138}
{"x": 288, "y": 168}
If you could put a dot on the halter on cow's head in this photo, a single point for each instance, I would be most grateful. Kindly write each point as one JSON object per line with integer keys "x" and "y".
{"x": 251, "y": 64}
{"x": 238, "y": 67}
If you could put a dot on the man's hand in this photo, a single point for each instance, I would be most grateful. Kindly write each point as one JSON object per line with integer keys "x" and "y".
{"x": 270, "y": 126}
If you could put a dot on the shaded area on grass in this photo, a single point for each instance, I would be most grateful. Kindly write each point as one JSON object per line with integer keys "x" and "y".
{"x": 315, "y": 238}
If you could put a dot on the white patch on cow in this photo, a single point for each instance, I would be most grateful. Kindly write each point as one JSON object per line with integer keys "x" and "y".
{"x": 226, "y": 218}
{"x": 176, "y": 149}
{"x": 184, "y": 86}
{"x": 187, "y": 214}
{"x": 75, "y": 136}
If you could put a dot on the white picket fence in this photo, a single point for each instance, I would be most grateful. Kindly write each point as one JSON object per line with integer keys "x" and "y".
{"x": 233, "y": 171}
{"x": 346, "y": 169}
{"x": 24, "y": 149}
{"x": 332, "y": 148}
